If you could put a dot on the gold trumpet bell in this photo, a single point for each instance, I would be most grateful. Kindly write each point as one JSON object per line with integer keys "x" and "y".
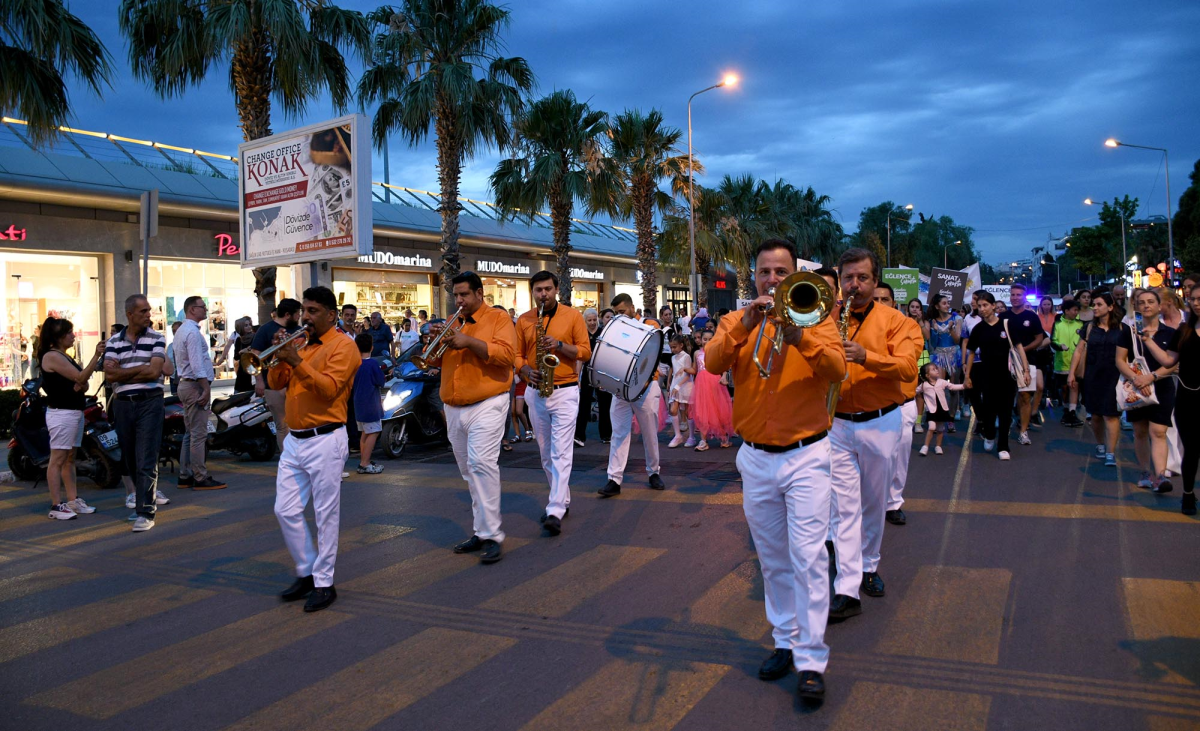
{"x": 804, "y": 299}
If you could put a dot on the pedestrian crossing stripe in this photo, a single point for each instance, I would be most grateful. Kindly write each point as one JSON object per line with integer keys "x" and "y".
{"x": 39, "y": 581}
{"x": 735, "y": 603}
{"x": 179, "y": 545}
{"x": 166, "y": 519}
{"x": 279, "y": 560}
{"x": 406, "y": 577}
{"x": 911, "y": 708}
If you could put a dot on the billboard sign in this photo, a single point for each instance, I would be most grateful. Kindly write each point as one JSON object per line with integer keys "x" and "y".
{"x": 304, "y": 195}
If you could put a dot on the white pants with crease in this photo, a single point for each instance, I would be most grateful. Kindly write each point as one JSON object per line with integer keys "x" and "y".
{"x": 908, "y": 418}
{"x": 622, "y": 414}
{"x": 311, "y": 469}
{"x": 553, "y": 421}
{"x": 786, "y": 497}
{"x": 864, "y": 456}
{"x": 475, "y": 434}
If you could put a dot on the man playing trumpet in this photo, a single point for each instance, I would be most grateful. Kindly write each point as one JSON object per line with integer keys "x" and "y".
{"x": 551, "y": 340}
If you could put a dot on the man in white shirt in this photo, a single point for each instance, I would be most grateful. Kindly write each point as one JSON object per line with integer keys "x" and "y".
{"x": 196, "y": 375}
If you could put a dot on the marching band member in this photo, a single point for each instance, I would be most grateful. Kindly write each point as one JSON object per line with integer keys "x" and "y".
{"x": 622, "y": 414}
{"x": 785, "y": 466}
{"x": 318, "y": 377}
{"x": 476, "y": 376}
{"x": 563, "y": 335}
{"x": 885, "y": 297}
{"x": 881, "y": 356}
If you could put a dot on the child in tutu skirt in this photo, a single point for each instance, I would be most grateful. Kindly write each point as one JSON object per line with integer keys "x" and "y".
{"x": 683, "y": 370}
{"x": 712, "y": 408}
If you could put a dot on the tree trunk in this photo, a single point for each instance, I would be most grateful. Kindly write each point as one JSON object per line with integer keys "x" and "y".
{"x": 647, "y": 251}
{"x": 745, "y": 280}
{"x": 560, "y": 218}
{"x": 251, "y": 76}
{"x": 449, "y": 154}
{"x": 703, "y": 269}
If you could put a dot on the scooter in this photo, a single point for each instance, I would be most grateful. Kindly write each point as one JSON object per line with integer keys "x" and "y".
{"x": 410, "y": 411}
{"x": 240, "y": 424}
{"x": 98, "y": 458}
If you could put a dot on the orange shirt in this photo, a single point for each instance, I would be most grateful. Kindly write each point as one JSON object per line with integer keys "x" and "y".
{"x": 790, "y": 405}
{"x": 566, "y": 325}
{"x": 318, "y": 388}
{"x": 468, "y": 379}
{"x": 910, "y": 387}
{"x": 892, "y": 345}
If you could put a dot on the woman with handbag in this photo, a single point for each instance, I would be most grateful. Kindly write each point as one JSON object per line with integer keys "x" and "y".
{"x": 1097, "y": 350}
{"x": 1147, "y": 376}
{"x": 992, "y": 376}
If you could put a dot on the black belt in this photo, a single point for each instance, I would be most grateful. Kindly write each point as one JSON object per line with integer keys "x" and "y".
{"x": 776, "y": 449}
{"x": 908, "y": 401}
{"x": 310, "y": 433}
{"x": 193, "y": 380}
{"x": 140, "y": 395}
{"x": 866, "y": 415}
{"x": 566, "y": 385}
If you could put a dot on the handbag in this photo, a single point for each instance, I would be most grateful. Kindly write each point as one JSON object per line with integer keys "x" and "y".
{"x": 1017, "y": 367}
{"x": 1128, "y": 395}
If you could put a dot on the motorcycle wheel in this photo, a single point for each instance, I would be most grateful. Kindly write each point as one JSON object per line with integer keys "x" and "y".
{"x": 22, "y": 466}
{"x": 263, "y": 449}
{"x": 395, "y": 438}
{"x": 104, "y": 471}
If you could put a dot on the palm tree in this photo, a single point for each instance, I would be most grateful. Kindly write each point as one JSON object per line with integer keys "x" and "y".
{"x": 557, "y": 161}
{"x": 286, "y": 50}
{"x": 437, "y": 64}
{"x": 40, "y": 43}
{"x": 645, "y": 152}
{"x": 674, "y": 246}
{"x": 743, "y": 224}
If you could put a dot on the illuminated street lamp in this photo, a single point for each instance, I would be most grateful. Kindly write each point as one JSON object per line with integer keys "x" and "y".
{"x": 1121, "y": 213}
{"x": 889, "y": 232}
{"x": 1046, "y": 261}
{"x": 1111, "y": 142}
{"x": 728, "y": 80}
{"x": 945, "y": 248}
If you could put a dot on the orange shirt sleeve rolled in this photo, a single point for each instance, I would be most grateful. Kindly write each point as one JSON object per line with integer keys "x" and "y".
{"x": 318, "y": 388}
{"x": 892, "y": 347}
{"x": 468, "y": 379}
{"x": 568, "y": 326}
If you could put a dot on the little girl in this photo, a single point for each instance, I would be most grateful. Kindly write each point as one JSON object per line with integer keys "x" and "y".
{"x": 932, "y": 389}
{"x": 712, "y": 409}
{"x": 682, "y": 371}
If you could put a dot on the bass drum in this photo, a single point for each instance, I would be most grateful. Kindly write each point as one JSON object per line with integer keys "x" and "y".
{"x": 625, "y": 361}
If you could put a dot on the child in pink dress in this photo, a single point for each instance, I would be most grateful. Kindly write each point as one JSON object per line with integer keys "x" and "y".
{"x": 932, "y": 390}
{"x": 683, "y": 370}
{"x": 712, "y": 408}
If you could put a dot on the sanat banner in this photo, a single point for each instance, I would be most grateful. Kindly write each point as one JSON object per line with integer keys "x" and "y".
{"x": 950, "y": 282}
{"x": 905, "y": 282}
{"x": 305, "y": 195}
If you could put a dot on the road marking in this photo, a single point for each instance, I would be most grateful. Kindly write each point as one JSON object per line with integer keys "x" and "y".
{"x": 975, "y": 600}
{"x": 38, "y": 634}
{"x": 404, "y": 578}
{"x": 19, "y": 502}
{"x": 39, "y": 581}
{"x": 1160, "y": 608}
{"x": 279, "y": 560}
{"x": 362, "y": 695}
{"x": 108, "y": 529}
{"x": 624, "y": 694}
{"x": 110, "y": 691}
{"x": 173, "y": 547}
{"x": 911, "y": 708}
{"x": 1170, "y": 723}
{"x": 566, "y": 586}
{"x": 22, "y": 521}
{"x": 735, "y": 603}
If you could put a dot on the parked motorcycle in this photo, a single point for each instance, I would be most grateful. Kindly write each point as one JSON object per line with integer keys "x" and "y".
{"x": 240, "y": 424}
{"x": 98, "y": 459}
{"x": 411, "y": 409}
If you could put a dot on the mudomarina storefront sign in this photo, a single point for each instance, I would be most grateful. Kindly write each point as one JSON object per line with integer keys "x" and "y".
{"x": 580, "y": 273}
{"x": 491, "y": 266}
{"x": 387, "y": 258}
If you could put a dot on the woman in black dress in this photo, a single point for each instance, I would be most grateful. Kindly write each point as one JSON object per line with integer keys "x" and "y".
{"x": 1150, "y": 423}
{"x": 244, "y": 334}
{"x": 1098, "y": 350}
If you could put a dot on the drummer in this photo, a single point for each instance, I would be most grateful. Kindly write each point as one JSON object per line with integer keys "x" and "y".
{"x": 644, "y": 409}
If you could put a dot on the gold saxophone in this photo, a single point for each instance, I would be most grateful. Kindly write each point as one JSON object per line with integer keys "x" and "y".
{"x": 835, "y": 389}
{"x": 546, "y": 361}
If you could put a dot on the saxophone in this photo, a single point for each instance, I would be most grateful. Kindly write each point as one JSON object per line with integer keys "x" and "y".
{"x": 835, "y": 389}
{"x": 546, "y": 361}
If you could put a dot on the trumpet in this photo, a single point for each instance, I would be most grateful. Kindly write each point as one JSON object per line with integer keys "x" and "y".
{"x": 436, "y": 348}
{"x": 803, "y": 299}
{"x": 253, "y": 363}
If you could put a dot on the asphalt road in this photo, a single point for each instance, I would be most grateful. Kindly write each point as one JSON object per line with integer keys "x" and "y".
{"x": 1047, "y": 592}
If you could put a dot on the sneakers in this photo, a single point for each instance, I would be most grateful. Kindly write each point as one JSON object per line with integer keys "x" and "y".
{"x": 371, "y": 469}
{"x": 938, "y": 450}
{"x": 62, "y": 511}
{"x": 989, "y": 445}
{"x": 1164, "y": 485}
{"x": 1145, "y": 482}
{"x": 952, "y": 428}
{"x": 1125, "y": 425}
{"x": 132, "y": 517}
{"x": 580, "y": 443}
{"x": 691, "y": 442}
{"x": 345, "y": 475}
{"x": 80, "y": 507}
{"x": 923, "y": 451}
{"x": 918, "y": 429}
{"x": 1004, "y": 456}
{"x": 702, "y": 446}
{"x": 185, "y": 482}
{"x": 1024, "y": 438}
{"x": 142, "y": 524}
{"x": 1110, "y": 460}
{"x": 675, "y": 442}
{"x": 160, "y": 498}
{"x": 1071, "y": 419}
{"x": 1099, "y": 450}
{"x": 208, "y": 483}
{"x": 131, "y": 501}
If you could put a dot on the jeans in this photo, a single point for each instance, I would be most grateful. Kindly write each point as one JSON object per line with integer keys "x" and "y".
{"x": 139, "y": 432}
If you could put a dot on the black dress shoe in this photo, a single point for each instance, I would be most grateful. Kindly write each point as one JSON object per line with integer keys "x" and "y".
{"x": 471, "y": 544}
{"x": 811, "y": 686}
{"x": 491, "y": 552}
{"x": 776, "y": 666}
{"x": 656, "y": 482}
{"x": 844, "y": 607}
{"x": 299, "y": 589}
{"x": 553, "y": 525}
{"x": 321, "y": 597}
{"x": 872, "y": 584}
{"x": 610, "y": 489}
{"x": 896, "y": 517}
{"x": 565, "y": 514}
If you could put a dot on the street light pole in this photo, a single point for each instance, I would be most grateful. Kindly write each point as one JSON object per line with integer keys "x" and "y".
{"x": 889, "y": 232}
{"x": 1124, "y": 253}
{"x": 1110, "y": 142}
{"x": 946, "y": 248}
{"x": 693, "y": 285}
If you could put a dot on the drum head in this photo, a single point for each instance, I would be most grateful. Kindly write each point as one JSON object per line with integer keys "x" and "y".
{"x": 645, "y": 369}
{"x": 625, "y": 358}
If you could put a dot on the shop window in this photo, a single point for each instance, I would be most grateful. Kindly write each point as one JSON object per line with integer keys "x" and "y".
{"x": 392, "y": 294}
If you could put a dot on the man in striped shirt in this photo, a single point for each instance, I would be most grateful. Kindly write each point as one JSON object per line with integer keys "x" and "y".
{"x": 135, "y": 360}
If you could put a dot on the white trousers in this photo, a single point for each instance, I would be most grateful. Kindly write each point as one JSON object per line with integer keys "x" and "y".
{"x": 475, "y": 434}
{"x": 864, "y": 454}
{"x": 622, "y": 413}
{"x": 908, "y": 418}
{"x": 311, "y": 469}
{"x": 786, "y": 497}
{"x": 553, "y": 421}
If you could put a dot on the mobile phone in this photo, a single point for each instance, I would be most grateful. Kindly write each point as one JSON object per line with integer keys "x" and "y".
{"x": 1137, "y": 318}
